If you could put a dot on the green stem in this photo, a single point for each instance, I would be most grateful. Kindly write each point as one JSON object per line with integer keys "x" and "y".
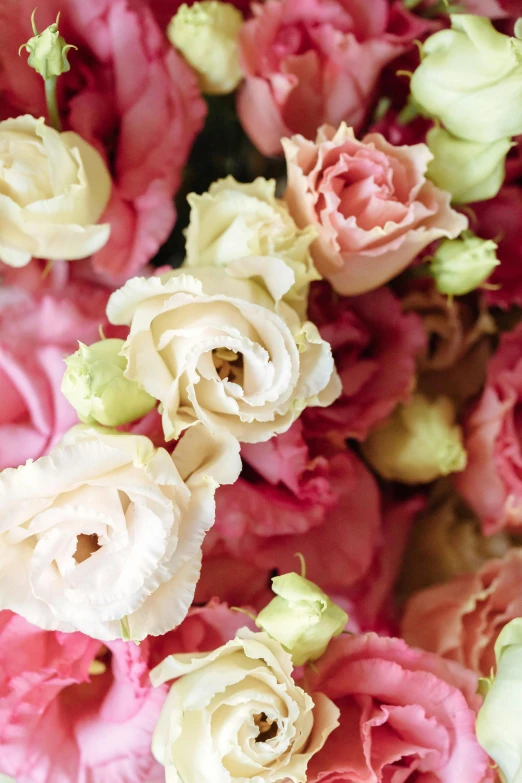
{"x": 52, "y": 103}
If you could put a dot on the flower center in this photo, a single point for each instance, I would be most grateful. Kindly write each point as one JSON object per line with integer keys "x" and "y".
{"x": 229, "y": 365}
{"x": 267, "y": 728}
{"x": 85, "y": 547}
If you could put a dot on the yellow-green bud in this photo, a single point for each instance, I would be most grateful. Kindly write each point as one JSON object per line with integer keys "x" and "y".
{"x": 461, "y": 265}
{"x": 48, "y": 51}
{"x": 301, "y": 618}
{"x": 95, "y": 385}
{"x": 470, "y": 171}
{"x": 418, "y": 443}
{"x": 206, "y": 34}
{"x": 499, "y": 722}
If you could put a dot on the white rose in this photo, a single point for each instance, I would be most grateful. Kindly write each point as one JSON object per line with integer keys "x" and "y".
{"x": 218, "y": 347}
{"x": 53, "y": 188}
{"x": 236, "y": 714}
{"x": 235, "y": 220}
{"x": 104, "y": 535}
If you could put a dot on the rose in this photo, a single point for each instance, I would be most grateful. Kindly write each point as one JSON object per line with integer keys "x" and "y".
{"x": 217, "y": 347}
{"x": 491, "y": 481}
{"x": 375, "y": 346}
{"x": 307, "y": 64}
{"x": 370, "y": 202}
{"x": 104, "y": 535}
{"x": 241, "y": 702}
{"x": 54, "y": 187}
{"x": 235, "y": 220}
{"x": 105, "y": 101}
{"x": 405, "y": 714}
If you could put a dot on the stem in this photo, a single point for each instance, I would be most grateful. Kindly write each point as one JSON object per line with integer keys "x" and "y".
{"x": 52, "y": 103}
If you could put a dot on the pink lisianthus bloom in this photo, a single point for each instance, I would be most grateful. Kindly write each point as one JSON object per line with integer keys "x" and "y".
{"x": 142, "y": 117}
{"x": 375, "y": 346}
{"x": 371, "y": 203}
{"x": 461, "y": 620}
{"x": 307, "y": 62}
{"x": 406, "y": 715}
{"x": 491, "y": 481}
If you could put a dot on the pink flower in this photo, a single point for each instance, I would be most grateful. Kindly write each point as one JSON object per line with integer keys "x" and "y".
{"x": 39, "y": 326}
{"x": 370, "y": 202}
{"x": 492, "y": 479}
{"x": 460, "y": 620}
{"x": 375, "y": 346}
{"x": 308, "y": 62}
{"x": 143, "y": 117}
{"x": 406, "y": 715}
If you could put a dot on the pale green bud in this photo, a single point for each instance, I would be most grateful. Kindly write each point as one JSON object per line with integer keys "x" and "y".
{"x": 301, "y": 618}
{"x": 418, "y": 443}
{"x": 468, "y": 170}
{"x": 48, "y": 51}
{"x": 206, "y": 34}
{"x": 95, "y": 385}
{"x": 499, "y": 722}
{"x": 461, "y": 265}
{"x": 470, "y": 78}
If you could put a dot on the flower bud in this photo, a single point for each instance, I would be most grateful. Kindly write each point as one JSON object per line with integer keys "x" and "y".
{"x": 301, "y": 618}
{"x": 206, "y": 34}
{"x": 470, "y": 78}
{"x": 48, "y": 51}
{"x": 419, "y": 443}
{"x": 461, "y": 265}
{"x": 470, "y": 171}
{"x": 499, "y": 723}
{"x": 95, "y": 385}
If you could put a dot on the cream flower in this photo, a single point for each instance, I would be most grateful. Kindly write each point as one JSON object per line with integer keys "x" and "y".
{"x": 235, "y": 220}
{"x": 236, "y": 714}
{"x": 220, "y": 347}
{"x": 53, "y": 188}
{"x": 104, "y": 535}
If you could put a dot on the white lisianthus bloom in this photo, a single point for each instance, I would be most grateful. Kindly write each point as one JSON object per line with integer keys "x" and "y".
{"x": 54, "y": 188}
{"x": 220, "y": 346}
{"x": 236, "y": 714}
{"x": 235, "y": 220}
{"x": 104, "y": 534}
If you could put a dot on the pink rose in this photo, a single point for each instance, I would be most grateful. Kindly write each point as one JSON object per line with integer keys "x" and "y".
{"x": 375, "y": 346}
{"x": 307, "y": 62}
{"x": 129, "y": 94}
{"x": 370, "y": 202}
{"x": 406, "y": 715}
{"x": 491, "y": 481}
{"x": 460, "y": 620}
{"x": 39, "y": 327}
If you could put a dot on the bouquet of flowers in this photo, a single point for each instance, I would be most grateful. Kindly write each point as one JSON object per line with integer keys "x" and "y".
{"x": 261, "y": 391}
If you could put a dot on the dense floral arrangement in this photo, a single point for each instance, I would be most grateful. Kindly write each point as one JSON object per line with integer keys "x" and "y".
{"x": 261, "y": 391}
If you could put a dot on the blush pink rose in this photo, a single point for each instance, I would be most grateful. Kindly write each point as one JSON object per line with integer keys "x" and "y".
{"x": 371, "y": 203}
{"x": 129, "y": 94}
{"x": 375, "y": 346}
{"x": 309, "y": 62}
{"x": 492, "y": 479}
{"x": 460, "y": 620}
{"x": 406, "y": 716}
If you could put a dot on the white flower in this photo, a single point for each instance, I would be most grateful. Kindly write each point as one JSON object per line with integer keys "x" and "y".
{"x": 235, "y": 220}
{"x": 53, "y": 188}
{"x": 236, "y": 714}
{"x": 219, "y": 346}
{"x": 104, "y": 535}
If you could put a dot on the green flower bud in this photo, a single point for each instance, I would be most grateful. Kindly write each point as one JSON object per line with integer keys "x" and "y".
{"x": 461, "y": 265}
{"x": 470, "y": 171}
{"x": 499, "y": 722}
{"x": 301, "y": 618}
{"x": 418, "y": 443}
{"x": 206, "y": 34}
{"x": 48, "y": 51}
{"x": 95, "y": 385}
